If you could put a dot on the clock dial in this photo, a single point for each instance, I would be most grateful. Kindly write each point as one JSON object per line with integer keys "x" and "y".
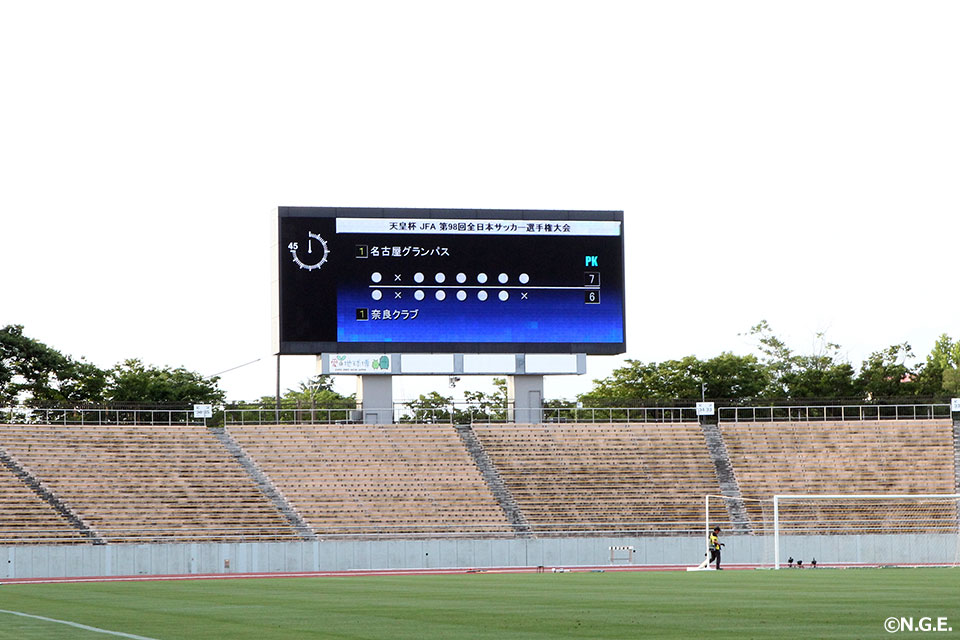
{"x": 311, "y": 254}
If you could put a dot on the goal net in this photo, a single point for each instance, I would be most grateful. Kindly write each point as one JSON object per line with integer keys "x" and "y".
{"x": 866, "y": 530}
{"x": 807, "y": 531}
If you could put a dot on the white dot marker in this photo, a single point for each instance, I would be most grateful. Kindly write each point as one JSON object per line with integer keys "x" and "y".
{"x": 481, "y": 295}
{"x": 481, "y": 278}
{"x": 524, "y": 278}
{"x": 441, "y": 294}
{"x": 418, "y": 277}
{"x": 418, "y": 294}
{"x": 461, "y": 278}
{"x": 377, "y": 294}
{"x": 439, "y": 278}
{"x": 503, "y": 278}
{"x": 504, "y": 296}
{"x": 461, "y": 295}
{"x": 376, "y": 276}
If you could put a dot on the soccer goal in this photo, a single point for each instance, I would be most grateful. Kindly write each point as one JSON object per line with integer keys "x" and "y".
{"x": 746, "y": 530}
{"x": 815, "y": 531}
{"x": 866, "y": 530}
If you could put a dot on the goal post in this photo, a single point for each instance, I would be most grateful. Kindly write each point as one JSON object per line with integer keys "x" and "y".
{"x": 866, "y": 529}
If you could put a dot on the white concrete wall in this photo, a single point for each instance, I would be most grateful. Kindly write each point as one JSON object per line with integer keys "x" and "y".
{"x": 40, "y": 561}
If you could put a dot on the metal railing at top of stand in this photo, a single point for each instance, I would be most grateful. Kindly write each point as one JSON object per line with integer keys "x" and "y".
{"x": 620, "y": 414}
{"x": 461, "y": 413}
{"x": 289, "y": 415}
{"x": 99, "y": 416}
{"x": 456, "y": 415}
{"x": 837, "y": 413}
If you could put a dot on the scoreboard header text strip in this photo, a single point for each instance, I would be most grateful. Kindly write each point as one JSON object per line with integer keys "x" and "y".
{"x": 479, "y": 226}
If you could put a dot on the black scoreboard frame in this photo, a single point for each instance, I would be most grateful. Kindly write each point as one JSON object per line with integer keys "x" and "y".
{"x": 309, "y": 291}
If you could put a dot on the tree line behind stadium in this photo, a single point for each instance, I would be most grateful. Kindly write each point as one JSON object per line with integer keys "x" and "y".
{"x": 35, "y": 374}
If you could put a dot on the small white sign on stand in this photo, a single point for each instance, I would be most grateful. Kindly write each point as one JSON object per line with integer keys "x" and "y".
{"x": 203, "y": 411}
{"x": 705, "y": 409}
{"x": 955, "y": 405}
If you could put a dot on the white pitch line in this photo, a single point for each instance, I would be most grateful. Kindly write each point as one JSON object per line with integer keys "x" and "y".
{"x": 78, "y": 625}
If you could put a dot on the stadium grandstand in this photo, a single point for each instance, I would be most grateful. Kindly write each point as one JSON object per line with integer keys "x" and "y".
{"x": 95, "y": 477}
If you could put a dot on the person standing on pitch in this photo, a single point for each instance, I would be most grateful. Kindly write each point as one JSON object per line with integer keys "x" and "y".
{"x": 715, "y": 545}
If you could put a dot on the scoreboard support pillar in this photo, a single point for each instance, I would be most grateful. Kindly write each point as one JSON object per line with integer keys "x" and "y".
{"x": 525, "y": 396}
{"x": 375, "y": 399}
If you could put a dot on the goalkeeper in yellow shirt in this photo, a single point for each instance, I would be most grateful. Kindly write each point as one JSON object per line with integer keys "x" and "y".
{"x": 714, "y": 546}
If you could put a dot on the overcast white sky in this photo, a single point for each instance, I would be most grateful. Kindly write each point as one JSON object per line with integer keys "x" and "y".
{"x": 790, "y": 161}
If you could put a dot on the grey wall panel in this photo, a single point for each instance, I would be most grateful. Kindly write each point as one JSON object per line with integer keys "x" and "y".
{"x": 413, "y": 555}
{"x": 379, "y": 554}
{"x": 431, "y": 554}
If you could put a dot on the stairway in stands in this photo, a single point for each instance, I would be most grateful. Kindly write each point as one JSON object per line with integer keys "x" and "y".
{"x": 490, "y": 475}
{"x": 44, "y": 494}
{"x": 263, "y": 483}
{"x": 726, "y": 478}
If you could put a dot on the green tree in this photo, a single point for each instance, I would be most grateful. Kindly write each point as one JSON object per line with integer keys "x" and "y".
{"x": 40, "y": 376}
{"x": 823, "y": 373}
{"x": 945, "y": 352}
{"x": 951, "y": 382}
{"x": 317, "y": 393}
{"x": 477, "y": 406}
{"x": 634, "y": 381}
{"x": 430, "y": 408}
{"x": 133, "y": 381}
{"x": 727, "y": 376}
{"x": 778, "y": 359}
{"x": 488, "y": 406}
{"x": 560, "y": 409}
{"x": 313, "y": 399}
{"x": 838, "y": 380}
{"x": 885, "y": 373}
{"x": 940, "y": 373}
{"x": 732, "y": 377}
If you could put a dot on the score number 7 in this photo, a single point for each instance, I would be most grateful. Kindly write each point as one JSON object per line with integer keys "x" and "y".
{"x": 591, "y": 279}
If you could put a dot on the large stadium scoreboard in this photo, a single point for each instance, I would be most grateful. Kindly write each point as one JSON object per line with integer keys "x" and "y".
{"x": 450, "y": 281}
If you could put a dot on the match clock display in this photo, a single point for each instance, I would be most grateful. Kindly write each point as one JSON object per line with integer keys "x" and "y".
{"x": 311, "y": 254}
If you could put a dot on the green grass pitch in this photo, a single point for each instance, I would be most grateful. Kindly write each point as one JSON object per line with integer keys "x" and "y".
{"x": 851, "y": 603}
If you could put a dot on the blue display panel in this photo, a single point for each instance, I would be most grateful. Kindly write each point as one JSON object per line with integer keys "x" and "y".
{"x": 410, "y": 280}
